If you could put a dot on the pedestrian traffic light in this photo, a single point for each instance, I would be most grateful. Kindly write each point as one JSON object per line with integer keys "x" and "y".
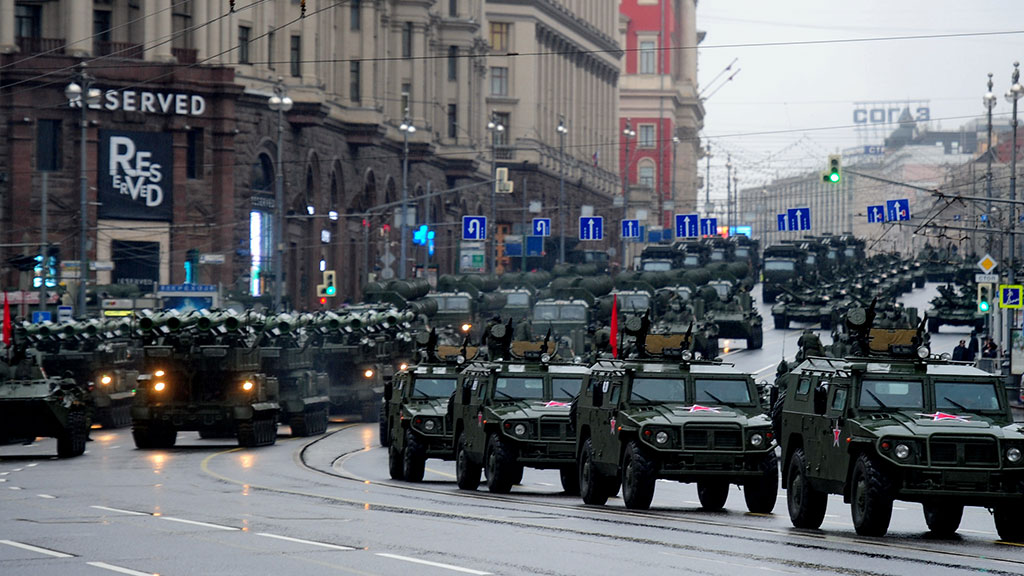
{"x": 329, "y": 287}
{"x": 984, "y": 297}
{"x": 834, "y": 173}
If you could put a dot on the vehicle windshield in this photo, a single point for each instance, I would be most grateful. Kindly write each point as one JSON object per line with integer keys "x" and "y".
{"x": 432, "y": 387}
{"x": 657, "y": 266}
{"x": 634, "y": 302}
{"x": 742, "y": 252}
{"x": 779, "y": 265}
{"x": 451, "y": 303}
{"x": 518, "y": 299}
{"x": 718, "y": 255}
{"x": 890, "y": 394}
{"x": 849, "y": 252}
{"x": 966, "y": 396}
{"x": 545, "y": 312}
{"x": 519, "y": 389}
{"x": 658, "y": 390}
{"x": 553, "y": 312}
{"x": 722, "y": 391}
{"x": 565, "y": 388}
{"x": 722, "y": 288}
{"x": 811, "y": 259}
{"x": 691, "y": 261}
{"x": 684, "y": 293}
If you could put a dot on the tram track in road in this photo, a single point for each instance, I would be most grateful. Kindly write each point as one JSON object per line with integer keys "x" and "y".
{"x": 672, "y": 523}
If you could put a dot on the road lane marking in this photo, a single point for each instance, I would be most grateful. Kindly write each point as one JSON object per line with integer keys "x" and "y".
{"x": 45, "y": 496}
{"x": 31, "y": 465}
{"x": 310, "y": 542}
{"x": 119, "y": 511}
{"x": 434, "y": 564}
{"x": 194, "y": 523}
{"x": 32, "y": 548}
{"x": 113, "y": 568}
{"x": 439, "y": 473}
{"x": 13, "y": 488}
{"x": 766, "y": 368}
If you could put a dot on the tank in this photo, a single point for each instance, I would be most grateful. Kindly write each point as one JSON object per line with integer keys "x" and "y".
{"x": 955, "y": 308}
{"x": 732, "y": 309}
{"x": 32, "y": 405}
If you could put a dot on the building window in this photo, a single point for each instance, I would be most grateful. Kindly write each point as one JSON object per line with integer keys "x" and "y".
{"x": 647, "y": 57}
{"x": 406, "y": 98}
{"x": 646, "y": 136}
{"x": 28, "y": 20}
{"x": 295, "y": 55}
{"x": 354, "y": 23}
{"x": 499, "y": 81}
{"x": 453, "y": 121}
{"x": 244, "y": 33}
{"x": 48, "y": 145}
{"x": 101, "y": 26}
{"x": 453, "y": 8}
{"x": 499, "y": 36}
{"x": 354, "y": 88}
{"x": 505, "y": 119}
{"x": 645, "y": 175}
{"x": 407, "y": 40}
{"x": 453, "y": 63}
{"x": 194, "y": 154}
{"x": 270, "y": 49}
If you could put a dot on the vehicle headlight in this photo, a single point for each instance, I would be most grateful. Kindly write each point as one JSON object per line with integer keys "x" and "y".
{"x": 368, "y": 373}
{"x": 248, "y": 385}
{"x": 519, "y": 429}
{"x": 923, "y": 352}
{"x": 902, "y": 451}
{"x": 757, "y": 439}
{"x": 661, "y": 437}
{"x": 403, "y": 366}
{"x": 159, "y": 386}
{"x": 158, "y": 373}
{"x": 106, "y": 379}
{"x": 429, "y": 425}
{"x": 687, "y": 355}
{"x": 1013, "y": 455}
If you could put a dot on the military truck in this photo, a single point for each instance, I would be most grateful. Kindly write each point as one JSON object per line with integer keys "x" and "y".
{"x": 33, "y": 404}
{"x": 199, "y": 377}
{"x": 782, "y": 264}
{"x": 732, "y": 310}
{"x": 286, "y": 354}
{"x": 892, "y": 422}
{"x": 417, "y": 424}
{"x": 663, "y": 412}
{"x": 512, "y": 411}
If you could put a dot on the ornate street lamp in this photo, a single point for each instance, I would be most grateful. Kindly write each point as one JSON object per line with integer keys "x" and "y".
{"x": 74, "y": 93}
{"x": 407, "y": 128}
{"x": 280, "y": 103}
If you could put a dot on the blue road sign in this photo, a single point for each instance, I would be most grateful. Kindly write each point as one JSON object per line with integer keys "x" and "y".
{"x": 687, "y": 225}
{"x": 897, "y": 210}
{"x": 708, "y": 226}
{"x": 591, "y": 228}
{"x": 876, "y": 214}
{"x": 474, "y": 227}
{"x": 40, "y": 317}
{"x": 984, "y": 217}
{"x": 542, "y": 226}
{"x": 1010, "y": 296}
{"x": 630, "y": 228}
{"x": 783, "y": 221}
{"x": 534, "y": 246}
{"x": 799, "y": 218}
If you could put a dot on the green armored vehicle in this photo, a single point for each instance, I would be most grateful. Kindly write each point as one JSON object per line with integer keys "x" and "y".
{"x": 733, "y": 310}
{"x": 665, "y": 413}
{"x": 512, "y": 412}
{"x": 286, "y": 354}
{"x": 891, "y": 422}
{"x": 32, "y": 404}
{"x": 956, "y": 308}
{"x": 809, "y": 305}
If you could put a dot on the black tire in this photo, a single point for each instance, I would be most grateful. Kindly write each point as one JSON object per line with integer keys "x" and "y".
{"x": 712, "y": 494}
{"x": 517, "y": 477}
{"x": 593, "y": 485}
{"x": 1008, "y": 522}
{"x": 71, "y": 441}
{"x": 385, "y": 426}
{"x": 637, "y": 478}
{"x": 467, "y": 472}
{"x": 414, "y": 458}
{"x": 570, "y": 478}
{"x": 806, "y": 505}
{"x": 871, "y": 498}
{"x": 762, "y": 493}
{"x": 943, "y": 519}
{"x": 756, "y": 339}
{"x": 781, "y": 322}
{"x": 299, "y": 423}
{"x": 396, "y": 460}
{"x": 260, "y": 430}
{"x": 499, "y": 465}
{"x": 369, "y": 411}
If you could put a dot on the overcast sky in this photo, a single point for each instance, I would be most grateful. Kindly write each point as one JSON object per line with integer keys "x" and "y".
{"x": 805, "y": 94}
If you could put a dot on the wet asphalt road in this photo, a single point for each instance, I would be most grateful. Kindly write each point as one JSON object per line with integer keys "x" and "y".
{"x": 326, "y": 506}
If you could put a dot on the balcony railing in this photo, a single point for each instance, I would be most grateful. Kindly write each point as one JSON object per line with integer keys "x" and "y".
{"x": 505, "y": 152}
{"x": 128, "y": 50}
{"x": 36, "y": 45}
{"x": 185, "y": 55}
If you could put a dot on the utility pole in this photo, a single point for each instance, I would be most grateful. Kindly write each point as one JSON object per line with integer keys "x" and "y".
{"x": 1012, "y": 95}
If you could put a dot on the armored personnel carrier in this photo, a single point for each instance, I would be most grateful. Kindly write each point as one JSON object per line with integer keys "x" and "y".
{"x": 732, "y": 309}
{"x": 783, "y": 263}
{"x": 663, "y": 412}
{"x": 512, "y": 411}
{"x": 892, "y": 422}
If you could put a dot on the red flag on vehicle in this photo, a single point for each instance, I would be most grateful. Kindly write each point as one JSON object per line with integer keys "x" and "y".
{"x": 7, "y": 321}
{"x": 615, "y": 326}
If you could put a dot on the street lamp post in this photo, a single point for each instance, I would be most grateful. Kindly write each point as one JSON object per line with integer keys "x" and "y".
{"x": 989, "y": 100}
{"x": 1012, "y": 95}
{"x": 728, "y": 192}
{"x": 280, "y": 103}
{"x": 407, "y": 128}
{"x": 707, "y": 180}
{"x": 83, "y": 95}
{"x": 628, "y": 133}
{"x": 675, "y": 149}
{"x": 496, "y": 128}
{"x": 562, "y": 130}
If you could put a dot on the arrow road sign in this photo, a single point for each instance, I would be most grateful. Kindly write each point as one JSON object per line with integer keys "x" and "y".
{"x": 542, "y": 226}
{"x": 898, "y": 209}
{"x": 591, "y": 228}
{"x": 799, "y": 218}
{"x": 783, "y": 221}
{"x": 474, "y": 227}
{"x": 708, "y": 226}
{"x": 686, "y": 225}
{"x": 1010, "y": 296}
{"x": 630, "y": 228}
{"x": 876, "y": 214}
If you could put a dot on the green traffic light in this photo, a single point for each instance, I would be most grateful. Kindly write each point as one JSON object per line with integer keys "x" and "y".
{"x": 330, "y": 290}
{"x": 983, "y": 306}
{"x": 833, "y": 177}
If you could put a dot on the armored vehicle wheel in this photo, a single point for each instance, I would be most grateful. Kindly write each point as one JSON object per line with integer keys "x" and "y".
{"x": 500, "y": 464}
{"x": 570, "y": 480}
{"x": 762, "y": 493}
{"x": 385, "y": 427}
{"x": 1008, "y": 522}
{"x": 593, "y": 486}
{"x": 933, "y": 325}
{"x": 806, "y": 505}
{"x": 712, "y": 494}
{"x": 71, "y": 441}
{"x": 259, "y": 430}
{"x": 369, "y": 411}
{"x": 871, "y": 501}
{"x": 116, "y": 416}
{"x": 518, "y": 476}
{"x": 781, "y": 322}
{"x": 414, "y": 458}
{"x": 756, "y": 339}
{"x": 467, "y": 472}
{"x": 396, "y": 460}
{"x": 943, "y": 519}
{"x": 637, "y": 478}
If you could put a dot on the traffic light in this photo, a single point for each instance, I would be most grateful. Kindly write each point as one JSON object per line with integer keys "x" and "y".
{"x": 984, "y": 297}
{"x": 834, "y": 173}
{"x": 329, "y": 287}
{"x": 191, "y": 266}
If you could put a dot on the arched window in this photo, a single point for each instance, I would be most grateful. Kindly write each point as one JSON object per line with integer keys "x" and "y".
{"x": 262, "y": 173}
{"x": 645, "y": 173}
